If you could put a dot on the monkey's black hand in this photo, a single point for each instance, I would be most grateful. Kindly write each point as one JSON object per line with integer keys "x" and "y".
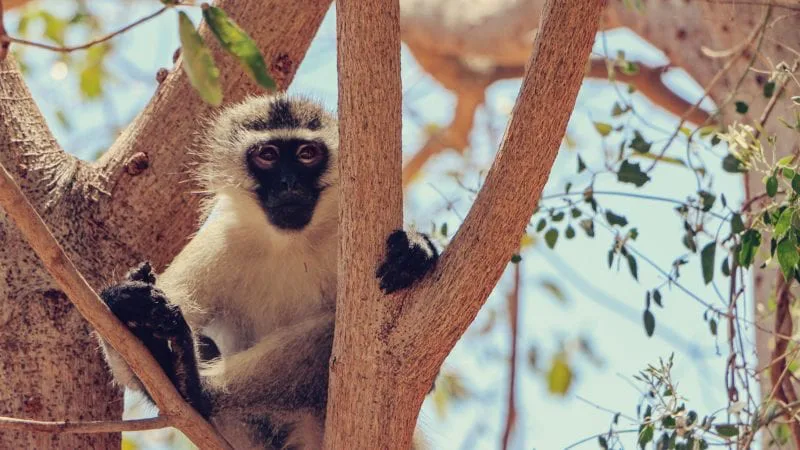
{"x": 409, "y": 256}
{"x": 161, "y": 327}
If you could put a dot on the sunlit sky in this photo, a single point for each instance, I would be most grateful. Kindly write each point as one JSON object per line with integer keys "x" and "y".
{"x": 602, "y": 305}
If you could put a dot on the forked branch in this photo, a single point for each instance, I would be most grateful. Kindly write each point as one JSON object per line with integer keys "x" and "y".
{"x": 448, "y": 301}
{"x": 185, "y": 418}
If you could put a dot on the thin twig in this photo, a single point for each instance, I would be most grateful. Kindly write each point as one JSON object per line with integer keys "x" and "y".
{"x": 67, "y": 427}
{"x": 136, "y": 355}
{"x": 5, "y": 39}
{"x": 513, "y": 318}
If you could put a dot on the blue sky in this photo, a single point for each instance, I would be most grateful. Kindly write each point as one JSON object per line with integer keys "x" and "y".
{"x": 604, "y": 306}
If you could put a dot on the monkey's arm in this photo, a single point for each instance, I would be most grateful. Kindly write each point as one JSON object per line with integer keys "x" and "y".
{"x": 162, "y": 329}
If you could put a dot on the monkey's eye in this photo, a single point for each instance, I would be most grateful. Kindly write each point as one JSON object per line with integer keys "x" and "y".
{"x": 264, "y": 156}
{"x": 309, "y": 153}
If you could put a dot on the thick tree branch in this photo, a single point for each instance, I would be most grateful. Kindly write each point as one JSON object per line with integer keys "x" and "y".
{"x": 396, "y": 343}
{"x": 469, "y": 90}
{"x": 446, "y": 303}
{"x": 107, "y": 325}
{"x": 27, "y": 148}
{"x": 455, "y": 135}
{"x": 113, "y": 426}
{"x": 370, "y": 111}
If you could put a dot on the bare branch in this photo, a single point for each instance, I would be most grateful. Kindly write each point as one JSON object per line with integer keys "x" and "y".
{"x": 513, "y": 318}
{"x": 470, "y": 95}
{"x": 455, "y": 135}
{"x": 69, "y": 49}
{"x": 447, "y": 302}
{"x": 111, "y": 426}
{"x": 107, "y": 325}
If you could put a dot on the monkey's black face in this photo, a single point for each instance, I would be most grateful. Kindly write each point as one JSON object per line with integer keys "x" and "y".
{"x": 288, "y": 172}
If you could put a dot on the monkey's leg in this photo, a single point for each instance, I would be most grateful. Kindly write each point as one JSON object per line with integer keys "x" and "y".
{"x": 162, "y": 329}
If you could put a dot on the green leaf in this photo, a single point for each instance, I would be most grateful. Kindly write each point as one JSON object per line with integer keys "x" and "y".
{"x": 558, "y": 217}
{"x": 788, "y": 255}
{"x": 785, "y": 161}
{"x": 726, "y": 268}
{"x": 732, "y": 165}
{"x": 581, "y": 165}
{"x": 741, "y": 107}
{"x": 737, "y": 224}
{"x": 540, "y": 226}
{"x": 796, "y": 184}
{"x": 707, "y": 199}
{"x": 54, "y": 27}
{"x": 645, "y": 435}
{"x": 639, "y": 143}
{"x": 769, "y": 89}
{"x": 236, "y": 42}
{"x": 516, "y": 258}
{"x": 796, "y": 99}
{"x": 751, "y": 240}
{"x": 569, "y": 232}
{"x": 727, "y": 430}
{"x": 603, "y": 128}
{"x": 788, "y": 173}
{"x": 657, "y": 297}
{"x": 601, "y": 440}
{"x": 707, "y": 260}
{"x": 588, "y": 226}
{"x": 551, "y": 237}
{"x": 559, "y": 377}
{"x": 443, "y": 229}
{"x": 772, "y": 186}
{"x": 784, "y": 223}
{"x": 614, "y": 219}
{"x": 93, "y": 74}
{"x": 575, "y": 212}
{"x": 617, "y": 110}
{"x": 632, "y": 266}
{"x": 632, "y": 173}
{"x": 197, "y": 62}
{"x": 610, "y": 258}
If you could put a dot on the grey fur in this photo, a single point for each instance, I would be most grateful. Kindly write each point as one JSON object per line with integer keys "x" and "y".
{"x": 266, "y": 296}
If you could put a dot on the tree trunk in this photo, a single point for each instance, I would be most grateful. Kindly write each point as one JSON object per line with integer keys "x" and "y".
{"x": 134, "y": 204}
{"x": 388, "y": 349}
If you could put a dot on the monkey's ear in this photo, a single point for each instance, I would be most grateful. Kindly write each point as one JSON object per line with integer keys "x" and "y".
{"x": 143, "y": 273}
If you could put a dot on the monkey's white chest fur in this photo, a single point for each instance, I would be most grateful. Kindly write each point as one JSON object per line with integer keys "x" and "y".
{"x": 263, "y": 278}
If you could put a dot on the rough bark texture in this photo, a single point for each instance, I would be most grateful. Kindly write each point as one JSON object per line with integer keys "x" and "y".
{"x": 388, "y": 349}
{"x": 107, "y": 216}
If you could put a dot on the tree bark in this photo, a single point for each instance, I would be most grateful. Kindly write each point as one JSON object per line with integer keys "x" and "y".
{"x": 134, "y": 204}
{"x": 388, "y": 349}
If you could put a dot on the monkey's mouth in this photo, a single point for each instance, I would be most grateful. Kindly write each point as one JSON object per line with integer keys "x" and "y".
{"x": 290, "y": 215}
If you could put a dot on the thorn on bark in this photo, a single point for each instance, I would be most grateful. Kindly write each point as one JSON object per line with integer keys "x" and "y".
{"x": 161, "y": 75}
{"x": 137, "y": 163}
